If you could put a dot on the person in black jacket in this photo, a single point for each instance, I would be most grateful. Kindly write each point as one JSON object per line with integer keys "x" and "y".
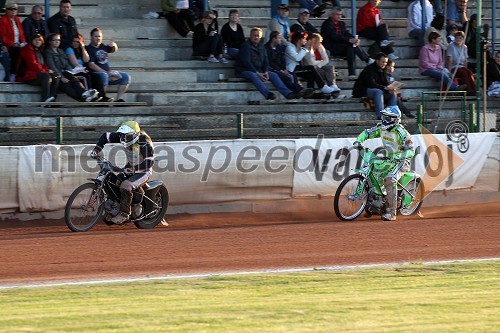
{"x": 303, "y": 23}
{"x": 277, "y": 63}
{"x": 64, "y": 24}
{"x": 340, "y": 42}
{"x": 35, "y": 24}
{"x": 372, "y": 83}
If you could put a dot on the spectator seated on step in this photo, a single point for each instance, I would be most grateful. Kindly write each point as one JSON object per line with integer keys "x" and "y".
{"x": 430, "y": 63}
{"x": 280, "y": 23}
{"x": 369, "y": 24}
{"x": 63, "y": 23}
{"x": 207, "y": 42}
{"x": 35, "y": 24}
{"x": 493, "y": 76}
{"x": 339, "y": 41}
{"x": 180, "y": 16}
{"x": 415, "y": 13}
{"x": 277, "y": 64}
{"x": 456, "y": 62}
{"x": 100, "y": 67}
{"x": 58, "y": 62}
{"x": 296, "y": 52}
{"x": 252, "y": 64}
{"x": 456, "y": 13}
{"x": 232, "y": 34}
{"x": 303, "y": 23}
{"x": 372, "y": 83}
{"x": 12, "y": 34}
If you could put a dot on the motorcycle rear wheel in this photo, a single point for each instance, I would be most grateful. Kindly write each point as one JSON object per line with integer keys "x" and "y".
{"x": 347, "y": 204}
{"x": 161, "y": 200}
{"x": 84, "y": 208}
{"x": 416, "y": 188}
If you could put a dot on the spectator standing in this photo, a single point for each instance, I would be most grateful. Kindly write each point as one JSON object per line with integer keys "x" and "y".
{"x": 252, "y": 64}
{"x": 296, "y": 52}
{"x": 470, "y": 27}
{"x": 277, "y": 64}
{"x": 372, "y": 83}
{"x": 369, "y": 24}
{"x": 35, "y": 24}
{"x": 280, "y": 23}
{"x": 99, "y": 65}
{"x": 340, "y": 42}
{"x": 79, "y": 57}
{"x": 33, "y": 69}
{"x": 318, "y": 58}
{"x": 456, "y": 62}
{"x": 430, "y": 63}
{"x": 58, "y": 62}
{"x": 303, "y": 23}
{"x": 12, "y": 34}
{"x": 206, "y": 40}
{"x": 493, "y": 76}
{"x": 64, "y": 24}
{"x": 232, "y": 34}
{"x": 316, "y": 7}
{"x": 180, "y": 16}
{"x": 415, "y": 29}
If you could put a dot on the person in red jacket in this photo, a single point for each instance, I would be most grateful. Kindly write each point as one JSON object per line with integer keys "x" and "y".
{"x": 33, "y": 69}
{"x": 369, "y": 24}
{"x": 11, "y": 38}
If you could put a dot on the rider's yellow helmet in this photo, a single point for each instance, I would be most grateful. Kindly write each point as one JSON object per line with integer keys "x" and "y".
{"x": 129, "y": 133}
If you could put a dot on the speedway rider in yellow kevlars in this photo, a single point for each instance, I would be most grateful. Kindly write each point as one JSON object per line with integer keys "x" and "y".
{"x": 399, "y": 149}
{"x": 139, "y": 151}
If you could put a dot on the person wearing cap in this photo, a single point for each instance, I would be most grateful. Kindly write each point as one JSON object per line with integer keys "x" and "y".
{"x": 252, "y": 64}
{"x": 451, "y": 30}
{"x": 316, "y": 7}
{"x": 415, "y": 12}
{"x": 279, "y": 22}
{"x": 303, "y": 23}
{"x": 339, "y": 41}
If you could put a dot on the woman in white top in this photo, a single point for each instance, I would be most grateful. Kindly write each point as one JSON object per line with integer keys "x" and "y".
{"x": 295, "y": 54}
{"x": 318, "y": 58}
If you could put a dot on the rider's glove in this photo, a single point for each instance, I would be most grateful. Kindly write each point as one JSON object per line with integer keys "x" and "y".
{"x": 357, "y": 145}
{"x": 95, "y": 153}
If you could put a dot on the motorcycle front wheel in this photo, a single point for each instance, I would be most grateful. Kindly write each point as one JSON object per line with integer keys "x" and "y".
{"x": 161, "y": 205}
{"x": 84, "y": 208}
{"x": 351, "y": 197}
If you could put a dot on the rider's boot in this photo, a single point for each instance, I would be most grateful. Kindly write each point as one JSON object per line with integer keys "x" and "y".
{"x": 120, "y": 218}
{"x": 391, "y": 200}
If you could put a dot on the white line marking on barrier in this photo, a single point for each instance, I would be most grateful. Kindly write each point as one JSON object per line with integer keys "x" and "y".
{"x": 236, "y": 273}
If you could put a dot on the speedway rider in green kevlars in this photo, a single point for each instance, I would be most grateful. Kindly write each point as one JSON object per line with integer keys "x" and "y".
{"x": 399, "y": 149}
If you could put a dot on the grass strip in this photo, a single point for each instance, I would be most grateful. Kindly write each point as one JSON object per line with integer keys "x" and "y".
{"x": 462, "y": 297}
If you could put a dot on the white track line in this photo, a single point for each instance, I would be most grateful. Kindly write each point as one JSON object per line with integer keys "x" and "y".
{"x": 235, "y": 273}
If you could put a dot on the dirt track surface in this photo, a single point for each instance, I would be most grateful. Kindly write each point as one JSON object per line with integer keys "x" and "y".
{"x": 46, "y": 251}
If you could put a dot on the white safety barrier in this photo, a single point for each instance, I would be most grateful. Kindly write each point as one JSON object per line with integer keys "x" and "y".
{"x": 41, "y": 178}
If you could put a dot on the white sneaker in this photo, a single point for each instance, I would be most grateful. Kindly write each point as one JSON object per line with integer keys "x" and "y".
{"x": 223, "y": 60}
{"x": 120, "y": 218}
{"x": 326, "y": 89}
{"x": 393, "y": 57}
{"x": 213, "y": 60}
{"x": 90, "y": 95}
{"x": 50, "y": 99}
{"x": 335, "y": 87}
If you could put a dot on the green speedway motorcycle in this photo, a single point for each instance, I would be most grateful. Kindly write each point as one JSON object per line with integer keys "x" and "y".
{"x": 364, "y": 190}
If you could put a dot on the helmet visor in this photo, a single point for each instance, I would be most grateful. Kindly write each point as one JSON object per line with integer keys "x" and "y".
{"x": 127, "y": 137}
{"x": 387, "y": 120}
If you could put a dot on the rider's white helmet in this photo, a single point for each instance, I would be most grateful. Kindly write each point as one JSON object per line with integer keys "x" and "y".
{"x": 129, "y": 133}
{"x": 391, "y": 115}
